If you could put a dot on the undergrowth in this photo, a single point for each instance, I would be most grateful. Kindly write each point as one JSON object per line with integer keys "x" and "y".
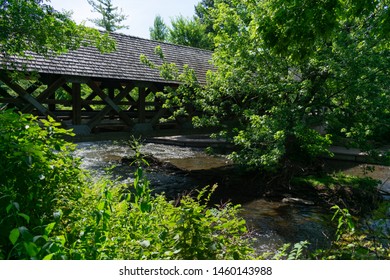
{"x": 52, "y": 209}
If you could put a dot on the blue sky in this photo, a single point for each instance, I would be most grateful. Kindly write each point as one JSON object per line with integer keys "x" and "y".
{"x": 141, "y": 13}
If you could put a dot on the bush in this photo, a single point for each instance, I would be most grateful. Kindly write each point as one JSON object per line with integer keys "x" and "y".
{"x": 145, "y": 227}
{"x": 50, "y": 210}
{"x": 38, "y": 175}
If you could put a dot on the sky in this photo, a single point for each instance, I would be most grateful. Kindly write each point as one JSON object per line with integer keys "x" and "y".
{"x": 141, "y": 13}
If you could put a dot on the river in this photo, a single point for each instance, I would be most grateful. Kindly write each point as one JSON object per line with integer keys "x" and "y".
{"x": 271, "y": 221}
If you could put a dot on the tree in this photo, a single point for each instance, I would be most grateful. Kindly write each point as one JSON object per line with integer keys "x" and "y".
{"x": 189, "y": 32}
{"x": 159, "y": 31}
{"x": 289, "y": 69}
{"x": 184, "y": 31}
{"x": 111, "y": 18}
{"x": 292, "y": 77}
{"x": 32, "y": 25}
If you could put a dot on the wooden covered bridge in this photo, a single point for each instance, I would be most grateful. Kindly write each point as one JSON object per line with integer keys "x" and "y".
{"x": 91, "y": 91}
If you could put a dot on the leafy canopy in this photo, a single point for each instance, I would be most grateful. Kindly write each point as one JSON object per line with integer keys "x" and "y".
{"x": 184, "y": 31}
{"x": 33, "y": 25}
{"x": 159, "y": 31}
{"x": 294, "y": 76}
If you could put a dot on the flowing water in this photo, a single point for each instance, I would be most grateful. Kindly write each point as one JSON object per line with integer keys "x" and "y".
{"x": 273, "y": 223}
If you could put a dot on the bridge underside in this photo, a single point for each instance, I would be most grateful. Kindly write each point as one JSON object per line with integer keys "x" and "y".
{"x": 89, "y": 105}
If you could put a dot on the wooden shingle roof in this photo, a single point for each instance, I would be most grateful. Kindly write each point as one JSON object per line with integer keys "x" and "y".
{"x": 122, "y": 64}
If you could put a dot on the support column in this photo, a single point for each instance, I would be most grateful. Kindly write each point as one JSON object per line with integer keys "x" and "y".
{"x": 111, "y": 94}
{"x": 142, "y": 105}
{"x": 76, "y": 104}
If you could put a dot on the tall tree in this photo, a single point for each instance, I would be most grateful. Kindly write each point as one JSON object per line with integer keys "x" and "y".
{"x": 291, "y": 77}
{"x": 159, "y": 31}
{"x": 189, "y": 32}
{"x": 110, "y": 18}
{"x": 289, "y": 69}
{"x": 33, "y": 25}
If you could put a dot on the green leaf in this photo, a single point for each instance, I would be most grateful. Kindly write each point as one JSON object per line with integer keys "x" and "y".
{"x": 31, "y": 248}
{"x": 27, "y": 218}
{"x": 16, "y": 205}
{"x": 14, "y": 236}
{"x": 49, "y": 228}
{"x": 48, "y": 257}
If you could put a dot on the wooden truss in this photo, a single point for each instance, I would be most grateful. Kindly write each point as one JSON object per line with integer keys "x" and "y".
{"x": 88, "y": 105}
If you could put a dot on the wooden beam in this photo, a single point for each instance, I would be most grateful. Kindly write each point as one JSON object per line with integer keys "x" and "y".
{"x": 10, "y": 101}
{"x": 27, "y": 97}
{"x": 51, "y": 89}
{"x": 112, "y": 104}
{"x": 111, "y": 94}
{"x": 141, "y": 105}
{"x": 76, "y": 103}
{"x": 83, "y": 103}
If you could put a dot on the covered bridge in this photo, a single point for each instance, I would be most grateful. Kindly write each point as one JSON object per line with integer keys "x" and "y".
{"x": 91, "y": 91}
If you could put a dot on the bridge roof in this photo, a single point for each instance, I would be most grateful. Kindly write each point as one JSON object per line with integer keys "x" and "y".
{"x": 122, "y": 64}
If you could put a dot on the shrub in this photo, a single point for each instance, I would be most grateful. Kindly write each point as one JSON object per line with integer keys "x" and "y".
{"x": 111, "y": 224}
{"x": 38, "y": 176}
{"x": 50, "y": 210}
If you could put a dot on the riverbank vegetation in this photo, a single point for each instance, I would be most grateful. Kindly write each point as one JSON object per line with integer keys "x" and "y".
{"x": 52, "y": 209}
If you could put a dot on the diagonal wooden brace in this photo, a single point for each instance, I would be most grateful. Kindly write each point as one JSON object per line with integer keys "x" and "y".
{"x": 111, "y": 104}
{"x": 27, "y": 97}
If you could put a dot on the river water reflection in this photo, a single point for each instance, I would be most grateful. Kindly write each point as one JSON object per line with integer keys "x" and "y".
{"x": 273, "y": 223}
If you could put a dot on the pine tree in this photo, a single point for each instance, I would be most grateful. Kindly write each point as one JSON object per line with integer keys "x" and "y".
{"x": 111, "y": 18}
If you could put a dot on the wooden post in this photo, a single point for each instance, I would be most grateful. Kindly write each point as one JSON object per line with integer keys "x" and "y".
{"x": 76, "y": 104}
{"x": 111, "y": 94}
{"x": 142, "y": 105}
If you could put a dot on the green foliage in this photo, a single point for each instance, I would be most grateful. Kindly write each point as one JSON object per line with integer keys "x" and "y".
{"x": 32, "y": 25}
{"x": 50, "y": 209}
{"x": 295, "y": 252}
{"x": 110, "y": 19}
{"x": 292, "y": 77}
{"x": 183, "y": 31}
{"x": 38, "y": 174}
{"x": 189, "y": 32}
{"x": 159, "y": 31}
{"x": 355, "y": 242}
{"x": 288, "y": 70}
{"x": 108, "y": 223}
